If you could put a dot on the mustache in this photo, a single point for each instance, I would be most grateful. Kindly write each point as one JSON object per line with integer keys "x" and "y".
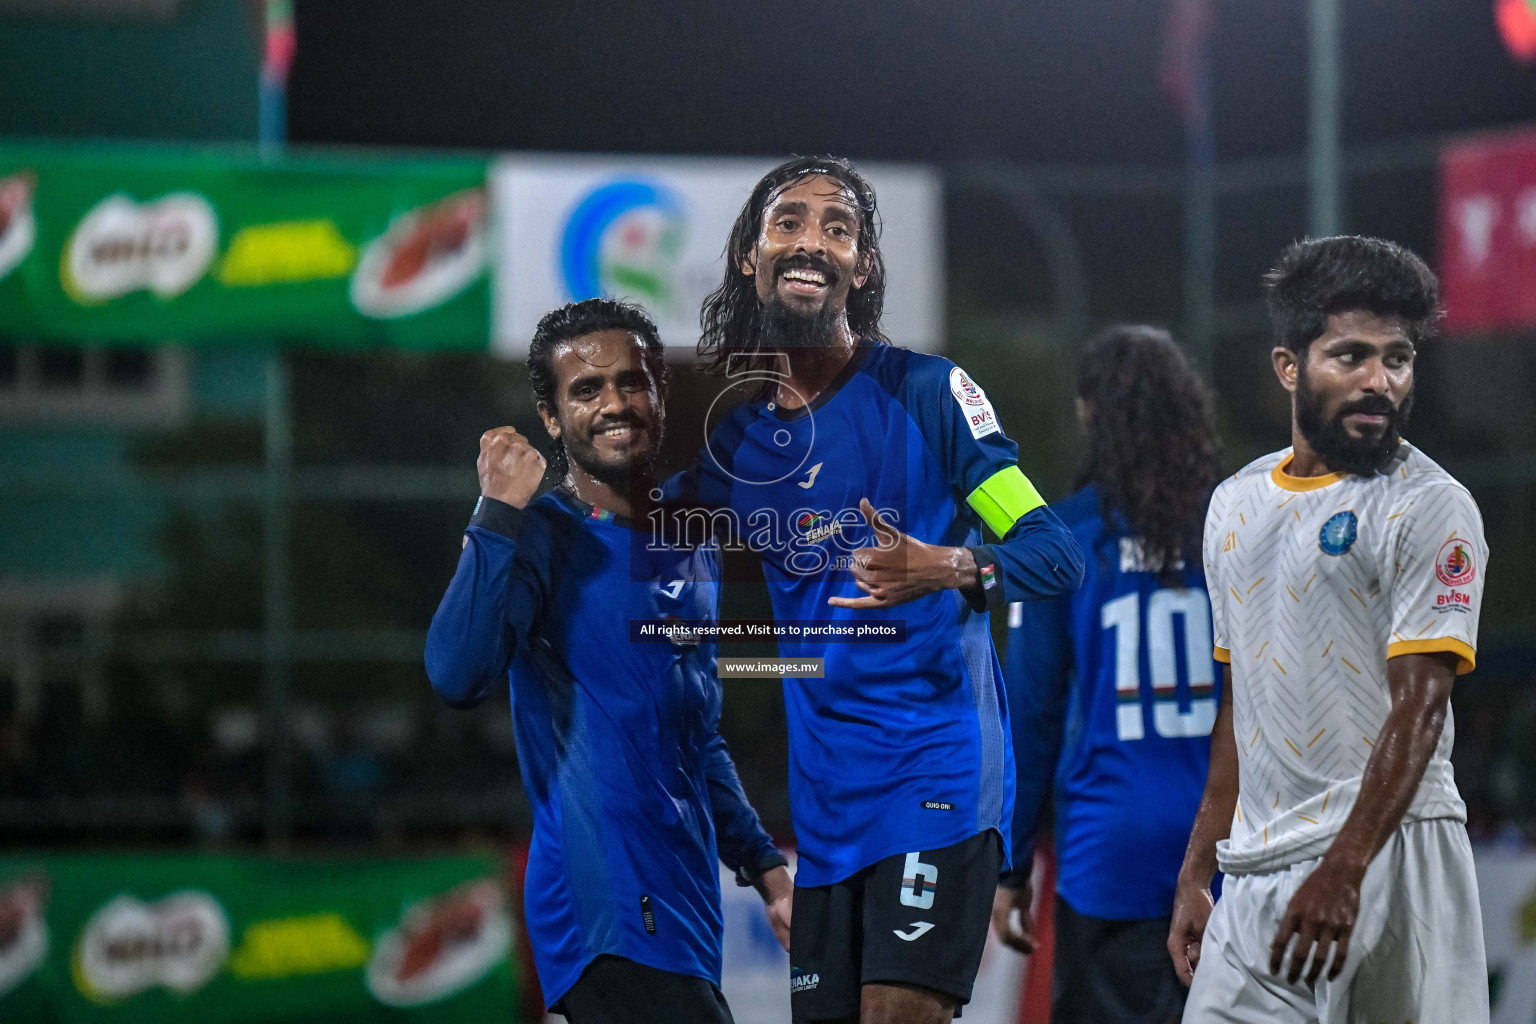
{"x": 805, "y": 261}
{"x": 1371, "y": 405}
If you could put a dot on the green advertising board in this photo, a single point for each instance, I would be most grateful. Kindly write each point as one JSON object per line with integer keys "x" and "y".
{"x": 177, "y": 939}
{"x": 128, "y": 244}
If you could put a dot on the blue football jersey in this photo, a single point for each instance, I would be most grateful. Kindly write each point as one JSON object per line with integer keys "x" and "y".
{"x": 902, "y": 746}
{"x": 1119, "y": 678}
{"x": 617, "y": 738}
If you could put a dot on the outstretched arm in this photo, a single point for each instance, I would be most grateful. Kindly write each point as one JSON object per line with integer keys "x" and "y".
{"x": 1038, "y": 558}
{"x": 1323, "y": 911}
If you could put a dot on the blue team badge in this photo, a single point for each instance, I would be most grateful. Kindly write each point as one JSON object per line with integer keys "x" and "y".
{"x": 1338, "y": 533}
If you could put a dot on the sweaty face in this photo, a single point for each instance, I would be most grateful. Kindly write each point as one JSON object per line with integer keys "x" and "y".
{"x": 1354, "y": 390}
{"x": 807, "y": 257}
{"x": 608, "y": 408}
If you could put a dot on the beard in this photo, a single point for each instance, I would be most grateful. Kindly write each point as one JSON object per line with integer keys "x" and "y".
{"x": 781, "y": 327}
{"x": 1341, "y": 451}
{"x": 631, "y": 474}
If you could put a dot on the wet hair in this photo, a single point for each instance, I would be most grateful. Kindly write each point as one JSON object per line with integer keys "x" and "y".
{"x": 730, "y": 312}
{"x": 577, "y": 320}
{"x": 1318, "y": 277}
{"x": 1152, "y": 445}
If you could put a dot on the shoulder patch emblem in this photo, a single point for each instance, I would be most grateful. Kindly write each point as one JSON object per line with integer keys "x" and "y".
{"x": 973, "y": 403}
{"x": 1338, "y": 534}
{"x": 1454, "y": 564}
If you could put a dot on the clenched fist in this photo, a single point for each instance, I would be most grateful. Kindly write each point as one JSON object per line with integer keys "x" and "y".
{"x": 510, "y": 468}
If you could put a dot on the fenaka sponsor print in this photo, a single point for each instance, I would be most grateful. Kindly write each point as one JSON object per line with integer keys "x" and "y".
{"x": 129, "y": 946}
{"x": 973, "y": 403}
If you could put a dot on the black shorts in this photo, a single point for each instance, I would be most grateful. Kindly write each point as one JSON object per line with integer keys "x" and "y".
{"x": 917, "y": 918}
{"x": 1113, "y": 971}
{"x": 615, "y": 990}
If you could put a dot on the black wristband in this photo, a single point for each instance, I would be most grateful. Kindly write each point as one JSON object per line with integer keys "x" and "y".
{"x": 496, "y": 516}
{"x": 988, "y": 593}
{"x": 748, "y": 876}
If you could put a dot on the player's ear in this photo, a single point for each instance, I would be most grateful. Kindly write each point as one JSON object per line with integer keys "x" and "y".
{"x": 861, "y": 270}
{"x": 551, "y": 421}
{"x": 748, "y": 263}
{"x": 1287, "y": 364}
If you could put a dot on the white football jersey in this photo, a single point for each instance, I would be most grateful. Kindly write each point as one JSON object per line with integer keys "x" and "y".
{"x": 1315, "y": 582}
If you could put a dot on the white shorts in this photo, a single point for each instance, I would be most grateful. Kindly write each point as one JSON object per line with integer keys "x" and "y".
{"x": 1416, "y": 953}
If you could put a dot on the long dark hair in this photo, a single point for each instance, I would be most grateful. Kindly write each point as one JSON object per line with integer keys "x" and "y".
{"x": 729, "y": 315}
{"x": 1152, "y": 446}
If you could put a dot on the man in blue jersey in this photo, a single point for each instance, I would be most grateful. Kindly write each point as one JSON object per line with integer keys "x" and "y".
{"x": 631, "y": 785}
{"x": 1124, "y": 668}
{"x": 861, "y": 474}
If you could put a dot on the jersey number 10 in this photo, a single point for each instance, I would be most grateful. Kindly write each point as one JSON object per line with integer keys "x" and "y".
{"x": 1123, "y": 615}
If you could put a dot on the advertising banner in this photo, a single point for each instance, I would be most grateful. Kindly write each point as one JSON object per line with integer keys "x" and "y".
{"x": 653, "y": 230}
{"x": 1506, "y": 884}
{"x": 1488, "y": 232}
{"x": 128, "y": 244}
{"x": 242, "y": 940}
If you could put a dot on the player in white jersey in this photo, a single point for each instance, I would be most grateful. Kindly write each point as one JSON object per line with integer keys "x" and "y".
{"x": 1346, "y": 577}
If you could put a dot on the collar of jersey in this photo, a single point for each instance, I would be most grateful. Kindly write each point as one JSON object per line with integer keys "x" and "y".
{"x": 1286, "y": 482}
{"x": 585, "y": 511}
{"x": 860, "y": 354}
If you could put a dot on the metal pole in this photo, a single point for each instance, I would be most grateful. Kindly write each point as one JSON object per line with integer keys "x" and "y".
{"x": 1325, "y": 201}
{"x": 278, "y": 635}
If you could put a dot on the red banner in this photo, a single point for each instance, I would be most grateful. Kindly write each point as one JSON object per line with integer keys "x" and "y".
{"x": 1488, "y": 231}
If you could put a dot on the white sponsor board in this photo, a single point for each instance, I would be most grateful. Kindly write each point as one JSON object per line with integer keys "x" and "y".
{"x": 653, "y": 230}
{"x": 1506, "y": 883}
{"x": 121, "y": 246}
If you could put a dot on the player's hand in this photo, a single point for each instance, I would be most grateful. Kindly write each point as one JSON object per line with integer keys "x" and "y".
{"x": 1192, "y": 904}
{"x": 898, "y": 568}
{"x": 1322, "y": 912}
{"x": 1019, "y": 937}
{"x": 778, "y": 892}
{"x": 510, "y": 467}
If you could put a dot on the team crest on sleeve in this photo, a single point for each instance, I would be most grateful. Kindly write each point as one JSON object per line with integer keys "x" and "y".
{"x": 1454, "y": 564}
{"x": 973, "y": 402}
{"x": 1338, "y": 534}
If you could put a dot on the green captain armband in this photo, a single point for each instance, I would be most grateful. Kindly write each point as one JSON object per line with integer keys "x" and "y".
{"x": 1003, "y": 498}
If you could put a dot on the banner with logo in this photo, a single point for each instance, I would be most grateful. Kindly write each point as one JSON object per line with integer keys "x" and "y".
{"x": 132, "y": 244}
{"x": 1488, "y": 231}
{"x": 653, "y": 230}
{"x": 242, "y": 940}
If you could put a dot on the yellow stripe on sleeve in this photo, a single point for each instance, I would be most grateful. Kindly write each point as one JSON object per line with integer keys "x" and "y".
{"x": 1435, "y": 645}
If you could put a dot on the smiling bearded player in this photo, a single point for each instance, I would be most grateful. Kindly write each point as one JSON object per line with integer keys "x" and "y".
{"x": 633, "y": 790}
{"x": 900, "y": 765}
{"x": 1346, "y": 578}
